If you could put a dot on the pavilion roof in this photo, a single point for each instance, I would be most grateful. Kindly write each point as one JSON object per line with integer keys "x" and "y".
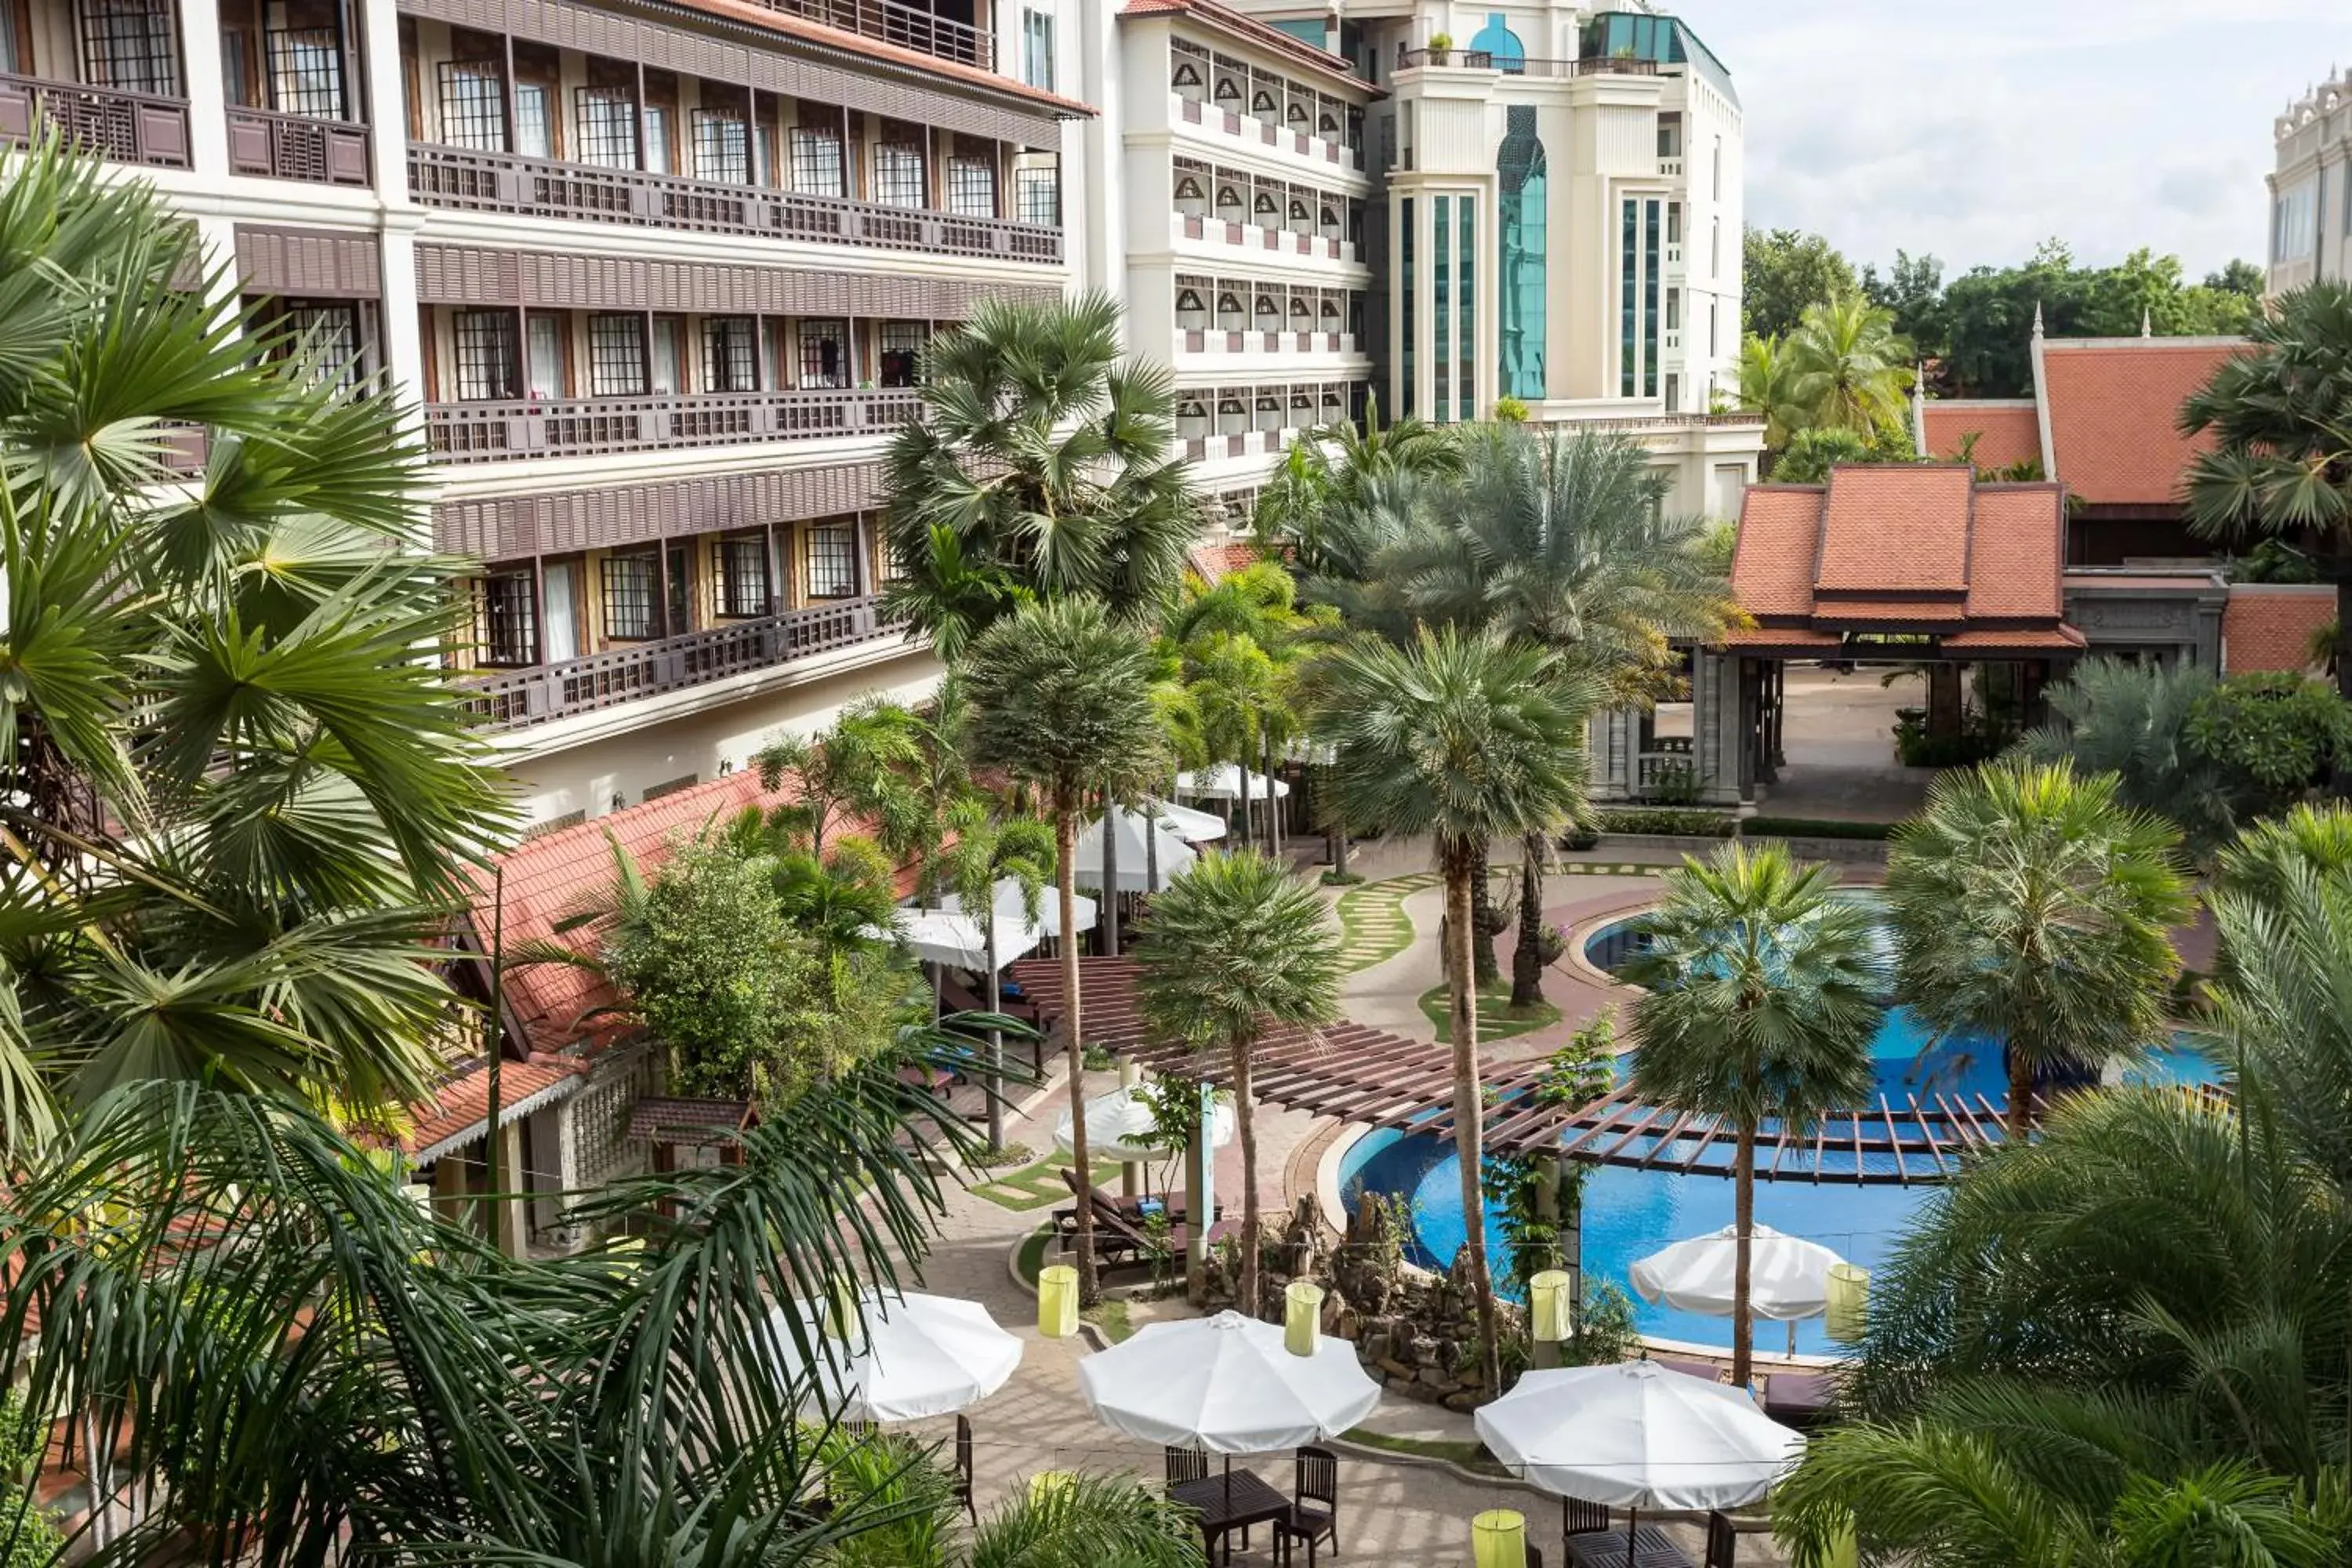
{"x": 2115, "y": 413}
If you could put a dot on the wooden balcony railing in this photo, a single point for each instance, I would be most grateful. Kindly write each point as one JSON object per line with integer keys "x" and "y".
{"x": 292, "y": 147}
{"x": 538, "y": 187}
{"x": 592, "y": 426}
{"x": 125, "y": 127}
{"x": 511, "y": 699}
{"x": 893, "y": 23}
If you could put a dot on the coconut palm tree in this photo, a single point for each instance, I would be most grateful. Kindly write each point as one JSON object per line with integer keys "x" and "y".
{"x": 854, "y": 771}
{"x": 240, "y": 800}
{"x": 1562, "y": 540}
{"x": 987, "y": 847}
{"x": 2280, "y": 416}
{"x": 1060, "y": 703}
{"x": 1763, "y": 991}
{"x": 1041, "y": 468}
{"x": 2029, "y": 903}
{"x": 1461, "y": 738}
{"x": 1238, "y": 946}
{"x": 1848, "y": 369}
{"x": 1766, "y": 371}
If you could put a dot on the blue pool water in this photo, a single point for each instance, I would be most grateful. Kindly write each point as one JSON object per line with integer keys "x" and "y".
{"x": 1629, "y": 1214}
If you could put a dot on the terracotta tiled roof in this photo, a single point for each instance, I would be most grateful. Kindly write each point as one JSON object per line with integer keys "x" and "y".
{"x": 2115, "y": 407}
{"x": 1218, "y": 561}
{"x": 461, "y": 1106}
{"x": 1772, "y": 566}
{"x": 2015, "y": 546}
{"x": 1225, "y": 19}
{"x": 2268, "y": 626}
{"x": 2006, "y": 431}
{"x": 2057, "y": 639}
{"x": 1893, "y": 527}
{"x": 774, "y": 21}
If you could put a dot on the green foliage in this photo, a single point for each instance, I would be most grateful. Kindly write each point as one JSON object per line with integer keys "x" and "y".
{"x": 1061, "y": 702}
{"x": 2274, "y": 561}
{"x": 1783, "y": 272}
{"x": 1606, "y": 1331}
{"x": 1812, "y": 453}
{"x": 27, "y": 1538}
{"x": 1811, "y": 828}
{"x": 1525, "y": 1215}
{"x": 1981, "y": 738}
{"x": 1511, "y": 410}
{"x": 2281, "y": 729}
{"x": 1664, "y": 820}
{"x": 1581, "y": 1070}
{"x": 1847, "y": 367}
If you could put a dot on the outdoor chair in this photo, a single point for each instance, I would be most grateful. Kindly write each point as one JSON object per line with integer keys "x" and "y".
{"x": 1722, "y": 1541}
{"x": 1798, "y": 1398}
{"x": 963, "y": 1469}
{"x": 1315, "y": 1498}
{"x": 1705, "y": 1370}
{"x": 1185, "y": 1465}
{"x": 1578, "y": 1517}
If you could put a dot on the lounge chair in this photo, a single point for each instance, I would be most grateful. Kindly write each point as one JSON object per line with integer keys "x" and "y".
{"x": 1798, "y": 1398}
{"x": 1705, "y": 1370}
{"x": 1129, "y": 1209}
{"x": 1119, "y": 1240}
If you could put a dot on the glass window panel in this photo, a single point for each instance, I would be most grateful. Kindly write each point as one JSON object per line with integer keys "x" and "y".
{"x": 560, "y": 582}
{"x": 131, "y": 45}
{"x": 1627, "y": 301}
{"x": 824, "y": 353}
{"x": 898, "y": 175}
{"x": 722, "y": 147}
{"x": 659, "y": 159}
{"x": 817, "y": 168}
{"x": 509, "y": 620}
{"x": 832, "y": 560}
{"x": 902, "y": 349}
{"x": 1037, "y": 197}
{"x": 629, "y": 590}
{"x": 608, "y": 127}
{"x": 546, "y": 344}
{"x": 1037, "y": 49}
{"x": 328, "y": 340}
{"x": 534, "y": 120}
{"x": 1465, "y": 332}
{"x": 617, "y": 356}
{"x": 1651, "y": 256}
{"x": 1441, "y": 358}
{"x": 971, "y": 187}
{"x": 306, "y": 72}
{"x": 1405, "y": 271}
{"x": 485, "y": 342}
{"x": 1523, "y": 225}
{"x": 473, "y": 105}
{"x": 669, "y": 369}
{"x": 731, "y": 354}
{"x": 743, "y": 575}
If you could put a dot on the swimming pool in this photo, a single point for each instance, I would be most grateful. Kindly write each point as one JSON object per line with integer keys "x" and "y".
{"x": 1629, "y": 1214}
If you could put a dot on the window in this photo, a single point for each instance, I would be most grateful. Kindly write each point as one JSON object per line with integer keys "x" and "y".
{"x": 1629, "y": 271}
{"x": 543, "y": 345}
{"x": 668, "y": 367}
{"x": 510, "y": 630}
{"x": 473, "y": 105}
{"x": 1714, "y": 180}
{"x": 1441, "y": 358}
{"x": 558, "y": 581}
{"x": 1714, "y": 249}
{"x": 617, "y": 356}
{"x": 1037, "y": 197}
{"x": 1673, "y": 392}
{"x": 486, "y": 354}
{"x": 731, "y": 354}
{"x": 2294, "y": 226}
{"x": 534, "y": 120}
{"x": 1037, "y": 49}
{"x": 629, "y": 595}
{"x": 902, "y": 352}
{"x": 1523, "y": 222}
{"x": 660, "y": 139}
{"x": 832, "y": 560}
{"x": 824, "y": 353}
{"x": 971, "y": 187}
{"x": 1670, "y": 136}
{"x": 608, "y": 127}
{"x": 328, "y": 339}
{"x": 743, "y": 575}
{"x": 1405, "y": 401}
{"x": 1652, "y": 251}
{"x": 129, "y": 45}
{"x": 722, "y": 146}
{"x": 898, "y": 174}
{"x": 817, "y": 168}
{"x": 306, "y": 65}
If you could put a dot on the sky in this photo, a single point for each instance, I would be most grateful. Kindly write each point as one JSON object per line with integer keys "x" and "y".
{"x": 1974, "y": 133}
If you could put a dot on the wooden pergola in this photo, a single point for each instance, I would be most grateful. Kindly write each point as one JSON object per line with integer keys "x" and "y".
{"x": 1354, "y": 1073}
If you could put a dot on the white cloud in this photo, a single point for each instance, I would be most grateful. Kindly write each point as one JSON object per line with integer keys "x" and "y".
{"x": 1975, "y": 134}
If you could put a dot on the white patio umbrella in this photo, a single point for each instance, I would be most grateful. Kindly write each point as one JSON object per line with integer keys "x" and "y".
{"x": 1118, "y": 1125}
{"x": 1789, "y": 1277}
{"x": 916, "y": 1356}
{"x": 947, "y": 935}
{"x": 1637, "y": 1436}
{"x": 1191, "y": 825}
{"x": 1227, "y": 1385}
{"x": 1134, "y": 865}
{"x": 1224, "y": 781}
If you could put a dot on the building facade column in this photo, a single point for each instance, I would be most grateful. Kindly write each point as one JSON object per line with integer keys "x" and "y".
{"x": 206, "y": 87}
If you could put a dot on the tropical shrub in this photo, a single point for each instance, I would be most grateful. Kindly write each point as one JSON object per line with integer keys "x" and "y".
{"x": 1665, "y": 821}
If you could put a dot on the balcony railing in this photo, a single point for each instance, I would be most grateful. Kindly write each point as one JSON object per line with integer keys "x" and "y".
{"x": 1485, "y": 60}
{"x": 587, "y": 428}
{"x": 125, "y": 127}
{"x": 511, "y": 699}
{"x": 1251, "y": 128}
{"x": 291, "y": 147}
{"x": 894, "y": 23}
{"x": 1259, "y": 236}
{"x": 538, "y": 187}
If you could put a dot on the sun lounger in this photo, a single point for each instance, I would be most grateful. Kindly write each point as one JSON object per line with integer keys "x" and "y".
{"x": 1798, "y": 1398}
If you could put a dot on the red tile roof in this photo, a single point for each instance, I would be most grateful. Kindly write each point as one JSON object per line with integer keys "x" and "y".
{"x": 2269, "y": 625}
{"x": 751, "y": 13}
{"x": 2008, "y": 431}
{"x": 462, "y": 1105}
{"x": 2015, "y": 545}
{"x": 1894, "y": 527}
{"x": 1217, "y": 562}
{"x": 2115, "y": 407}
{"x": 1225, "y": 19}
{"x": 1772, "y": 564}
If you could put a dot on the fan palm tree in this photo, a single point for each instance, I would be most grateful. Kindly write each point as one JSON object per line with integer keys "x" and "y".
{"x": 1763, "y": 991}
{"x": 987, "y": 847}
{"x": 1061, "y": 702}
{"x": 2280, "y": 419}
{"x": 1237, "y": 946}
{"x": 1848, "y": 369}
{"x": 2131, "y": 720}
{"x": 238, "y": 806}
{"x": 2028, "y": 903}
{"x": 1041, "y": 468}
{"x": 1463, "y": 738}
{"x": 1562, "y": 540}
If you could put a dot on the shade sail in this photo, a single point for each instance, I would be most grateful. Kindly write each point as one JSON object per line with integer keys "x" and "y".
{"x": 947, "y": 935}
{"x": 1134, "y": 868}
{"x": 1637, "y": 1436}
{"x": 1226, "y": 1384}
{"x": 1224, "y": 781}
{"x": 1118, "y": 1125}
{"x": 916, "y": 1356}
{"x": 1789, "y": 1277}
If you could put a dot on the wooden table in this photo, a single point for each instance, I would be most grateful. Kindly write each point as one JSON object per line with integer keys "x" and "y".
{"x": 1606, "y": 1548}
{"x": 1228, "y": 1503}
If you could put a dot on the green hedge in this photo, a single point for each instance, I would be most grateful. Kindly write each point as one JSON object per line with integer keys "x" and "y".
{"x": 1805, "y": 827}
{"x": 1666, "y": 821}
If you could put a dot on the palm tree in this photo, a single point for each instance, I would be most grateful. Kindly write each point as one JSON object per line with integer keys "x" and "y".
{"x": 2131, "y": 720}
{"x": 1463, "y": 738}
{"x": 1061, "y": 702}
{"x": 988, "y": 847}
{"x": 1238, "y": 945}
{"x": 2029, "y": 903}
{"x": 1562, "y": 541}
{"x": 1848, "y": 369}
{"x": 1764, "y": 990}
{"x": 237, "y": 806}
{"x": 856, "y": 771}
{"x": 1041, "y": 468}
{"x": 1766, "y": 370}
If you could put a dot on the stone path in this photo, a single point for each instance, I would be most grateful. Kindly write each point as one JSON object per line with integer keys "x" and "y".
{"x": 1373, "y": 921}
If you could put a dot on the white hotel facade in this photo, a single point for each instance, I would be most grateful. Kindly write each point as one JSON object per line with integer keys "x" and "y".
{"x": 2311, "y": 188}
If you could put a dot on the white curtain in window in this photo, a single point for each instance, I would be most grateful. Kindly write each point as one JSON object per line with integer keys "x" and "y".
{"x": 545, "y": 343}
{"x": 562, "y": 633}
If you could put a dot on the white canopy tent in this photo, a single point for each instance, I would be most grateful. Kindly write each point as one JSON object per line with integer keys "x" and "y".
{"x": 1224, "y": 781}
{"x": 915, "y": 1357}
{"x": 1191, "y": 825}
{"x": 1134, "y": 863}
{"x": 1119, "y": 1123}
{"x": 948, "y": 936}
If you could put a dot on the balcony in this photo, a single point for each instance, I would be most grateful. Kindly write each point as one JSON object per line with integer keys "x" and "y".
{"x": 893, "y": 23}
{"x": 1249, "y": 128}
{"x": 511, "y": 699}
{"x": 293, "y": 147}
{"x": 1669, "y": 168}
{"x": 123, "y": 127}
{"x": 1296, "y": 242}
{"x": 468, "y": 181}
{"x": 589, "y": 427}
{"x": 1485, "y": 60}
{"x": 1201, "y": 340}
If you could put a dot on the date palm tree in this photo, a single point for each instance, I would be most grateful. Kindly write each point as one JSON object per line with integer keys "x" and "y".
{"x": 1043, "y": 467}
{"x": 1238, "y": 945}
{"x": 1060, "y": 703}
{"x": 240, "y": 796}
{"x": 2029, "y": 903}
{"x": 1763, "y": 991}
{"x": 1461, "y": 738}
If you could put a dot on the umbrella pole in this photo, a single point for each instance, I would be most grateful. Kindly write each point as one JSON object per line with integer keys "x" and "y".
{"x": 1632, "y": 1518}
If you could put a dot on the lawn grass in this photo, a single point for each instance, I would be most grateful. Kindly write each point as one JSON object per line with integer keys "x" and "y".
{"x": 1111, "y": 1317}
{"x": 1039, "y": 1186}
{"x": 1498, "y": 1020}
{"x": 1471, "y": 1457}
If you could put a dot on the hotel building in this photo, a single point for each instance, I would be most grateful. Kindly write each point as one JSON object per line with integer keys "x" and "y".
{"x": 2311, "y": 188}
